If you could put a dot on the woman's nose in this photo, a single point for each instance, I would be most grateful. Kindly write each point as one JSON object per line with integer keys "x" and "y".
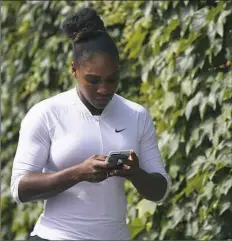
{"x": 103, "y": 89}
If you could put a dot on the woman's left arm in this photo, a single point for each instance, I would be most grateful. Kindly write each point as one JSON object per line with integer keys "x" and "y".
{"x": 147, "y": 170}
{"x": 152, "y": 186}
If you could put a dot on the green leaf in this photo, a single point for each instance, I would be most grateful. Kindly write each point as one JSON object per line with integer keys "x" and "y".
{"x": 136, "y": 227}
{"x": 199, "y": 19}
{"x": 174, "y": 23}
{"x": 178, "y": 216}
{"x": 224, "y": 206}
{"x": 207, "y": 129}
{"x": 192, "y": 103}
{"x": 173, "y": 147}
{"x": 192, "y": 228}
{"x": 212, "y": 14}
{"x": 134, "y": 46}
{"x": 196, "y": 166}
{"x": 174, "y": 169}
{"x": 186, "y": 87}
{"x": 226, "y": 185}
{"x": 185, "y": 63}
{"x": 216, "y": 46}
{"x": 186, "y": 2}
{"x": 227, "y": 94}
{"x": 208, "y": 190}
{"x": 175, "y": 3}
{"x": 203, "y": 107}
{"x": 169, "y": 100}
{"x": 148, "y": 226}
{"x": 203, "y": 213}
{"x": 145, "y": 207}
{"x": 195, "y": 183}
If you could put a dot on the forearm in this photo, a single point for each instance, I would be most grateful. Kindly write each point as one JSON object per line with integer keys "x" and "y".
{"x": 41, "y": 186}
{"x": 151, "y": 186}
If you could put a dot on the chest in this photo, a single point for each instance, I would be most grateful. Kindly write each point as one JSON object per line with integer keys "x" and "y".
{"x": 74, "y": 141}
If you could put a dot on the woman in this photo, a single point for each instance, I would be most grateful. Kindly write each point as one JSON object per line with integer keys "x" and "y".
{"x": 64, "y": 141}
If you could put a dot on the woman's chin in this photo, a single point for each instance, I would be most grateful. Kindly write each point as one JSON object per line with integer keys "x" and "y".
{"x": 100, "y": 104}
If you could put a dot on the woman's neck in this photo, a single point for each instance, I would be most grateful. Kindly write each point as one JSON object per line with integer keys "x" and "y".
{"x": 91, "y": 108}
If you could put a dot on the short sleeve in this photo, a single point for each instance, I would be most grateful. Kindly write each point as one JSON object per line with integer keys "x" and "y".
{"x": 149, "y": 154}
{"x": 32, "y": 150}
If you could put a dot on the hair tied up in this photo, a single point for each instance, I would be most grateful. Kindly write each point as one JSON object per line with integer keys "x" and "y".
{"x": 88, "y": 34}
{"x": 83, "y": 35}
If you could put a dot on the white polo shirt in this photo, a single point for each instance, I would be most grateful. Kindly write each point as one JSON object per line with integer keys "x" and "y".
{"x": 60, "y": 132}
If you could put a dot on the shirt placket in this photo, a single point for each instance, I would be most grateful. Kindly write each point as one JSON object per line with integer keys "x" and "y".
{"x": 98, "y": 121}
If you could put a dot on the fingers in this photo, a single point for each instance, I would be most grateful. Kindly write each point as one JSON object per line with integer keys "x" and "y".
{"x": 99, "y": 177}
{"x": 100, "y": 157}
{"x": 99, "y": 164}
{"x": 120, "y": 173}
{"x": 133, "y": 156}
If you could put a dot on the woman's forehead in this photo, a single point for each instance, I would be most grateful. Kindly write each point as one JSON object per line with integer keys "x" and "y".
{"x": 99, "y": 64}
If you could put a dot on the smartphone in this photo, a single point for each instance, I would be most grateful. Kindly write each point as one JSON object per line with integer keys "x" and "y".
{"x": 118, "y": 158}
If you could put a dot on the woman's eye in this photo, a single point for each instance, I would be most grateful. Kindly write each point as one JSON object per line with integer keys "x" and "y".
{"x": 113, "y": 79}
{"x": 93, "y": 80}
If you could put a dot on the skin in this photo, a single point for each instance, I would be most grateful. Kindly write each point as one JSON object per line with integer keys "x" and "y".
{"x": 97, "y": 83}
{"x": 151, "y": 186}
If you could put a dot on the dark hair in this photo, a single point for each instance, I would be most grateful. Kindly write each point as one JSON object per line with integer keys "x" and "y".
{"x": 88, "y": 34}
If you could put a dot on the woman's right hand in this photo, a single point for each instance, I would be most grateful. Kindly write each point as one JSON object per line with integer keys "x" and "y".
{"x": 94, "y": 169}
{"x": 41, "y": 186}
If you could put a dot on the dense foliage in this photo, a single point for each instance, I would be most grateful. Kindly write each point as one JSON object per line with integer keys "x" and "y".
{"x": 175, "y": 60}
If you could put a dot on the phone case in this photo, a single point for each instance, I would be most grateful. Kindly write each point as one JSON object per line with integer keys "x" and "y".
{"x": 124, "y": 152}
{"x": 117, "y": 157}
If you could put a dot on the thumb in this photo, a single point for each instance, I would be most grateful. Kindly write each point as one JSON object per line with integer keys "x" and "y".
{"x": 132, "y": 155}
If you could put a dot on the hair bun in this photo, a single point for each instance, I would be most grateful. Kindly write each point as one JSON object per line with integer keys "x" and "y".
{"x": 84, "y": 23}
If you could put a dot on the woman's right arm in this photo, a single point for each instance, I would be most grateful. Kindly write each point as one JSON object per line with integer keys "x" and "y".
{"x": 41, "y": 186}
{"x": 27, "y": 181}
{"x": 32, "y": 151}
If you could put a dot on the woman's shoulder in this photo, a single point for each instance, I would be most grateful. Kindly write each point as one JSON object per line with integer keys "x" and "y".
{"x": 54, "y": 104}
{"x": 130, "y": 105}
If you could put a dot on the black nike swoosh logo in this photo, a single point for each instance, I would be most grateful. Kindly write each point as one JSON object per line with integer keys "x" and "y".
{"x": 117, "y": 131}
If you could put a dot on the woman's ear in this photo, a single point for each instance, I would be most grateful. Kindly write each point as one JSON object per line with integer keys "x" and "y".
{"x": 74, "y": 70}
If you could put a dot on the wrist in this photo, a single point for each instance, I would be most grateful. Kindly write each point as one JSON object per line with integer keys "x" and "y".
{"x": 136, "y": 172}
{"x": 73, "y": 174}
{"x": 78, "y": 174}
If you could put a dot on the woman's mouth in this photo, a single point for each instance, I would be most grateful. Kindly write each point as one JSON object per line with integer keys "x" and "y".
{"x": 103, "y": 100}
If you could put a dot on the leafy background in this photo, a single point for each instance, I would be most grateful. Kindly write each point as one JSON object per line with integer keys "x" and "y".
{"x": 176, "y": 61}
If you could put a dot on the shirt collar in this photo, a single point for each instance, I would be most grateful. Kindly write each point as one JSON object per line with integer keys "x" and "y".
{"x": 82, "y": 107}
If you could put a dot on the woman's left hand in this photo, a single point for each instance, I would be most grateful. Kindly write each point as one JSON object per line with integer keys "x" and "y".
{"x": 129, "y": 169}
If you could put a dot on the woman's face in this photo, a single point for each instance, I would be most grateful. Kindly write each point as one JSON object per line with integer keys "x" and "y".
{"x": 98, "y": 79}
